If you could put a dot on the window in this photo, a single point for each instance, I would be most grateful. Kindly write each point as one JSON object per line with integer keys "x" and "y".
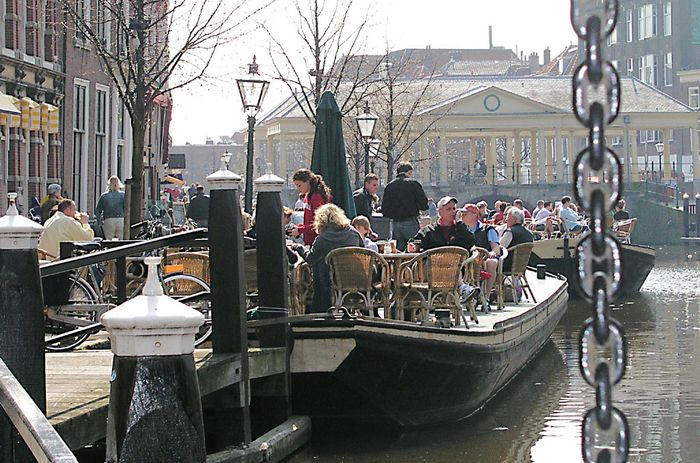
{"x": 82, "y": 18}
{"x": 101, "y": 118}
{"x": 668, "y": 69}
{"x": 628, "y": 15}
{"x": 616, "y": 141}
{"x": 667, "y": 18}
{"x": 646, "y": 21}
{"x": 630, "y": 66}
{"x": 694, "y": 97}
{"x": 79, "y": 138}
{"x": 102, "y": 23}
{"x": 648, "y": 69}
{"x": 612, "y": 38}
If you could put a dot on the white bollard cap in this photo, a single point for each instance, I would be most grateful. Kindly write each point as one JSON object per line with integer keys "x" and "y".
{"x": 269, "y": 183}
{"x": 152, "y": 324}
{"x": 16, "y": 231}
{"x": 224, "y": 179}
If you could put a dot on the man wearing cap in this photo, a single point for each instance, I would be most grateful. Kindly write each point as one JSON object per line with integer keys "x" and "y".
{"x": 446, "y": 231}
{"x": 50, "y": 201}
{"x": 198, "y": 209}
{"x": 485, "y": 236}
{"x": 404, "y": 198}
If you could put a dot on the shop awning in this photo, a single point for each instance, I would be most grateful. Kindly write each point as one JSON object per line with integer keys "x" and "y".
{"x": 175, "y": 180}
{"x": 7, "y": 105}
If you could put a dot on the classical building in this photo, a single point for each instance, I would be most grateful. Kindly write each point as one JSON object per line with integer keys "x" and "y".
{"x": 517, "y": 129}
{"x": 194, "y": 162}
{"x": 658, "y": 42}
{"x": 32, "y": 74}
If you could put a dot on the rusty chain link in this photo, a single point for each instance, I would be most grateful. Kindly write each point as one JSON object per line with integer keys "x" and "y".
{"x": 598, "y": 187}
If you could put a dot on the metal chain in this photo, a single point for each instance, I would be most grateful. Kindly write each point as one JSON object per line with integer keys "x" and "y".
{"x": 598, "y": 187}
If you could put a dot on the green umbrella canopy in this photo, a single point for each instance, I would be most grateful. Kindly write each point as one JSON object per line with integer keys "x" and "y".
{"x": 328, "y": 156}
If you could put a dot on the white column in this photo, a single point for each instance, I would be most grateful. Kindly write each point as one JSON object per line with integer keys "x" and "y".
{"x": 491, "y": 160}
{"x": 695, "y": 149}
{"x": 517, "y": 159}
{"x": 667, "y": 154}
{"x": 282, "y": 167}
{"x": 550, "y": 159}
{"x": 508, "y": 171}
{"x": 560, "y": 155}
{"x": 443, "y": 158}
{"x": 633, "y": 168}
{"x": 571, "y": 154}
{"x": 534, "y": 158}
{"x": 541, "y": 157}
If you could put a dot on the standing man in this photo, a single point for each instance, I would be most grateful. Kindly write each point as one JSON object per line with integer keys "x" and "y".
{"x": 404, "y": 198}
{"x": 50, "y": 201}
{"x": 366, "y": 197}
{"x": 199, "y": 208}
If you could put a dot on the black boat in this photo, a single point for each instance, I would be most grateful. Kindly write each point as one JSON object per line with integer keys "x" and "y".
{"x": 410, "y": 374}
{"x": 559, "y": 255}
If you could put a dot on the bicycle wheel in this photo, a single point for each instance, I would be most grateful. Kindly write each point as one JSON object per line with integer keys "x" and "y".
{"x": 81, "y": 293}
{"x": 180, "y": 285}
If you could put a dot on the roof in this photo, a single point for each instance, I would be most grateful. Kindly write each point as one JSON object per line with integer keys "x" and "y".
{"x": 553, "y": 92}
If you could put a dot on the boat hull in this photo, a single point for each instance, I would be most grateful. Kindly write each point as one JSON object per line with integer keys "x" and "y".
{"x": 559, "y": 256}
{"x": 411, "y": 375}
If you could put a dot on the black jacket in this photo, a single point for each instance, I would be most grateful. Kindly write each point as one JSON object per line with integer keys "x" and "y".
{"x": 199, "y": 207}
{"x": 520, "y": 235}
{"x": 363, "y": 202}
{"x": 404, "y": 198}
{"x": 431, "y": 237}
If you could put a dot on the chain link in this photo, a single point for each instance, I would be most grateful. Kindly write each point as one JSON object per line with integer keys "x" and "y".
{"x": 598, "y": 187}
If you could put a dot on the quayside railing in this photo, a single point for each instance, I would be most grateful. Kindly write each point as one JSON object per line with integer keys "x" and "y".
{"x": 40, "y": 437}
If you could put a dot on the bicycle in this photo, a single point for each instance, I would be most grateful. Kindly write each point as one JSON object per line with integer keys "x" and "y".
{"x": 87, "y": 300}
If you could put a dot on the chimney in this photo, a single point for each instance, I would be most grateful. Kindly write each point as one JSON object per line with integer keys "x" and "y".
{"x": 490, "y": 37}
{"x": 533, "y": 61}
{"x": 547, "y": 55}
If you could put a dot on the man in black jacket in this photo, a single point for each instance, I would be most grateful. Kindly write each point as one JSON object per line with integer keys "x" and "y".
{"x": 365, "y": 197}
{"x": 198, "y": 209}
{"x": 403, "y": 200}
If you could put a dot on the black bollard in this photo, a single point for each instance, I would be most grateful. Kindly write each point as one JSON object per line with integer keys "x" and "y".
{"x": 228, "y": 304}
{"x": 21, "y": 320}
{"x": 273, "y": 284}
{"x": 697, "y": 215}
{"x": 686, "y": 215}
{"x": 155, "y": 411}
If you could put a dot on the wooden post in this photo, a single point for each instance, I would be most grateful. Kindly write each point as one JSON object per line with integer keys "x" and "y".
{"x": 273, "y": 285}
{"x": 228, "y": 303}
{"x": 155, "y": 411}
{"x": 21, "y": 320}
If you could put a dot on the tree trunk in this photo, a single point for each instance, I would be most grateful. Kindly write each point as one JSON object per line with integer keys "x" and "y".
{"x": 138, "y": 127}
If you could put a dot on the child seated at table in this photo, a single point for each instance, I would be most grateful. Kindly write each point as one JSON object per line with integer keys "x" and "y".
{"x": 361, "y": 224}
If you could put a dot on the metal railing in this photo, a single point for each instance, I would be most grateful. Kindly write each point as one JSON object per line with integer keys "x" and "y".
{"x": 41, "y": 438}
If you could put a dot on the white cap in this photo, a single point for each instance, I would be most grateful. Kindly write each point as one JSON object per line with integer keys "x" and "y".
{"x": 152, "y": 324}
{"x": 445, "y": 200}
{"x": 16, "y": 231}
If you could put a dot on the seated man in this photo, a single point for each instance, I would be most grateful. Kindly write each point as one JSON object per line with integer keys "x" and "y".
{"x": 65, "y": 225}
{"x": 515, "y": 234}
{"x": 485, "y": 236}
{"x": 545, "y": 219}
{"x": 571, "y": 220}
{"x": 446, "y": 232}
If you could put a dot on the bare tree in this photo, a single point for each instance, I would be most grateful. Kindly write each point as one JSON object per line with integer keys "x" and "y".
{"x": 331, "y": 43}
{"x": 149, "y": 48}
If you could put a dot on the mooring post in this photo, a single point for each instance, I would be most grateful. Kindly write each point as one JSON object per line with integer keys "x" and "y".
{"x": 21, "y": 319}
{"x": 155, "y": 411}
{"x": 228, "y": 304}
{"x": 686, "y": 215}
{"x": 273, "y": 285}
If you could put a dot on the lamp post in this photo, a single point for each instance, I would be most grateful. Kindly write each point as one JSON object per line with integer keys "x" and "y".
{"x": 252, "y": 91}
{"x": 365, "y": 124}
{"x": 660, "y": 152}
{"x": 373, "y": 152}
{"x": 225, "y": 159}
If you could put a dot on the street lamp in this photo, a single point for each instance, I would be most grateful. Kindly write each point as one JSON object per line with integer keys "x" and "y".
{"x": 225, "y": 159}
{"x": 365, "y": 124}
{"x": 373, "y": 152}
{"x": 252, "y": 91}
{"x": 660, "y": 151}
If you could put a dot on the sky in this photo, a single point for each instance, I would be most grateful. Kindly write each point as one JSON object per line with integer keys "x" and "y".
{"x": 212, "y": 108}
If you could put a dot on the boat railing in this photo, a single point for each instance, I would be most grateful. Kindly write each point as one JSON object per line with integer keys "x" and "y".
{"x": 32, "y": 425}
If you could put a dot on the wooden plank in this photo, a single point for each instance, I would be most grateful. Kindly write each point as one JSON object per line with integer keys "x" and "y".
{"x": 77, "y": 385}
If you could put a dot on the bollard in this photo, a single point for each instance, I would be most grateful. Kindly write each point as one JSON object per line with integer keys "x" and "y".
{"x": 273, "y": 284}
{"x": 155, "y": 411}
{"x": 21, "y": 320}
{"x": 686, "y": 215}
{"x": 697, "y": 215}
{"x": 541, "y": 271}
{"x": 228, "y": 304}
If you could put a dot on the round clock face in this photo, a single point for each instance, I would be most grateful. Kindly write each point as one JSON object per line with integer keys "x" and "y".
{"x": 492, "y": 103}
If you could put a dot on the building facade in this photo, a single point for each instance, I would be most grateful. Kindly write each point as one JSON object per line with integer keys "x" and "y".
{"x": 656, "y": 41}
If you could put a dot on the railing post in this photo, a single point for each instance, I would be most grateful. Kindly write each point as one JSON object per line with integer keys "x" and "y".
{"x": 686, "y": 215}
{"x": 228, "y": 304}
{"x": 155, "y": 410}
{"x": 21, "y": 320}
{"x": 273, "y": 285}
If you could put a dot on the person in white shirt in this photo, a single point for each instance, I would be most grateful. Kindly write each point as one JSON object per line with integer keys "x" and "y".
{"x": 64, "y": 226}
{"x": 540, "y": 206}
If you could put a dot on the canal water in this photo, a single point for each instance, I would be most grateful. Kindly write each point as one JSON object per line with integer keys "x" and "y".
{"x": 537, "y": 417}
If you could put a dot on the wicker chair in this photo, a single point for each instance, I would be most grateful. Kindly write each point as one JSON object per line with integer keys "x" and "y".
{"x": 301, "y": 288}
{"x": 437, "y": 285}
{"x": 352, "y": 275}
{"x": 519, "y": 255}
{"x": 190, "y": 263}
{"x": 624, "y": 228}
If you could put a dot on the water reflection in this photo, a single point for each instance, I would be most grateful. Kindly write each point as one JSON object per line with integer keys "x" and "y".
{"x": 537, "y": 418}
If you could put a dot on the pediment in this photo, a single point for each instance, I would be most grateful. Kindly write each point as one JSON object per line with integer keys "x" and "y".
{"x": 490, "y": 100}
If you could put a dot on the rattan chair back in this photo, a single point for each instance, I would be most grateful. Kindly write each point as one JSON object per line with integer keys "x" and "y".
{"x": 192, "y": 263}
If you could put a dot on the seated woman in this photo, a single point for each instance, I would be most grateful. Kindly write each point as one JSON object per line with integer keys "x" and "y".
{"x": 334, "y": 231}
